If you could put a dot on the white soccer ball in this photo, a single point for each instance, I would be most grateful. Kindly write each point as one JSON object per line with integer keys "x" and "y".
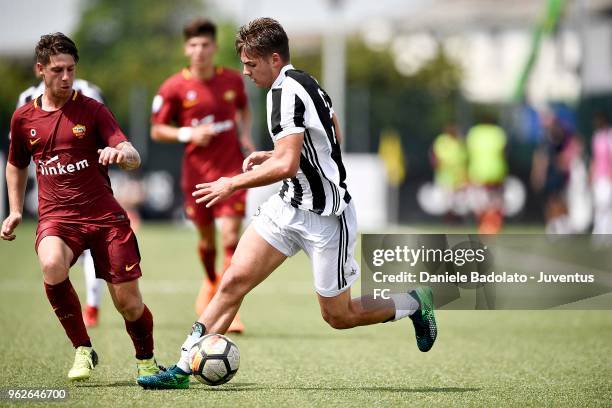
{"x": 214, "y": 359}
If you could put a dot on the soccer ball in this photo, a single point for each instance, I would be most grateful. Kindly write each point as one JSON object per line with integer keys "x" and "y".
{"x": 214, "y": 359}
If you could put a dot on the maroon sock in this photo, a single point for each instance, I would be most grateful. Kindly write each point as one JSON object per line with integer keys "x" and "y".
{"x": 229, "y": 252}
{"x": 65, "y": 303}
{"x": 208, "y": 257}
{"x": 141, "y": 332}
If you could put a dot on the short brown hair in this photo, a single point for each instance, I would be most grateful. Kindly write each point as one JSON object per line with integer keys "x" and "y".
{"x": 263, "y": 37}
{"x": 54, "y": 44}
{"x": 200, "y": 27}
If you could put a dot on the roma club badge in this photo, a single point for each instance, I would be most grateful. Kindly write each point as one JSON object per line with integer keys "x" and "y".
{"x": 79, "y": 131}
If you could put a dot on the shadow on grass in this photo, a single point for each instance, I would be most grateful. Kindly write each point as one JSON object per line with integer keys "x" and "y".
{"x": 239, "y": 387}
{"x": 92, "y": 384}
{"x": 258, "y": 387}
{"x": 298, "y": 336}
{"x": 256, "y": 334}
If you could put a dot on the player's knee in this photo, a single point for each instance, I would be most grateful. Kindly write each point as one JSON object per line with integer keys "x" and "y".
{"x": 230, "y": 239}
{"x": 234, "y": 283}
{"x": 53, "y": 268}
{"x": 230, "y": 233}
{"x": 130, "y": 308}
{"x": 336, "y": 320}
{"x": 206, "y": 245}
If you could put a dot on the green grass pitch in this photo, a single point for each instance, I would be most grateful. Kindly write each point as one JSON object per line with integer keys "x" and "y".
{"x": 289, "y": 356}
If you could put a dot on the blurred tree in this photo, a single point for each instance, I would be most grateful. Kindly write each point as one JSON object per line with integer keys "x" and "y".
{"x": 419, "y": 104}
{"x": 16, "y": 76}
{"x": 379, "y": 97}
{"x": 135, "y": 45}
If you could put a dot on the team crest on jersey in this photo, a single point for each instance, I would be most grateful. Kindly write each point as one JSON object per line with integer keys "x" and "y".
{"x": 79, "y": 131}
{"x": 229, "y": 96}
{"x": 191, "y": 99}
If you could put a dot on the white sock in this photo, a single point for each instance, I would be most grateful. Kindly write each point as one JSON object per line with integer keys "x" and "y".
{"x": 93, "y": 284}
{"x": 405, "y": 305}
{"x": 183, "y": 362}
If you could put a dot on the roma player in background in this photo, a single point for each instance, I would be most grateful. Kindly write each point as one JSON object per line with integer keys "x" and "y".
{"x": 205, "y": 107}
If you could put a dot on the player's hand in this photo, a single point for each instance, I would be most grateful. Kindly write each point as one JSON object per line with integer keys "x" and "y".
{"x": 8, "y": 226}
{"x": 211, "y": 193}
{"x": 254, "y": 159}
{"x": 110, "y": 155}
{"x": 202, "y": 135}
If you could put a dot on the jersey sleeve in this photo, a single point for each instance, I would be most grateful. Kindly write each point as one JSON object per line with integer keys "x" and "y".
{"x": 107, "y": 127}
{"x": 19, "y": 155}
{"x": 165, "y": 106}
{"x": 288, "y": 109}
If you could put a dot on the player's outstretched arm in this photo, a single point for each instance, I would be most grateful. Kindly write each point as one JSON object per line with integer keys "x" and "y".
{"x": 283, "y": 163}
{"x": 16, "y": 179}
{"x": 255, "y": 159}
{"x": 200, "y": 135}
{"x": 124, "y": 155}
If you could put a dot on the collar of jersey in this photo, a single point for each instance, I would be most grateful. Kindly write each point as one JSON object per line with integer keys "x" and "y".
{"x": 38, "y": 101}
{"x": 186, "y": 72}
{"x": 281, "y": 75}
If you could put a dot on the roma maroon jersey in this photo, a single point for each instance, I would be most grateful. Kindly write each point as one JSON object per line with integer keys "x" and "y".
{"x": 183, "y": 100}
{"x": 64, "y": 144}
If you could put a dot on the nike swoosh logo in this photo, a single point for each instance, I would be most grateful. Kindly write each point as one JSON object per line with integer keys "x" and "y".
{"x": 34, "y": 141}
{"x": 129, "y": 268}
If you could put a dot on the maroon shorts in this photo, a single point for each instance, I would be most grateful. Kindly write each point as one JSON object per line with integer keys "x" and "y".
{"x": 233, "y": 206}
{"x": 114, "y": 249}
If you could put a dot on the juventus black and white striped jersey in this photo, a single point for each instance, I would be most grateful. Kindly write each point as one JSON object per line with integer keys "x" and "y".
{"x": 295, "y": 104}
{"x": 84, "y": 87}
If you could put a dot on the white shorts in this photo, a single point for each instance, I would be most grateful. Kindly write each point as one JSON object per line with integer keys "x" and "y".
{"x": 329, "y": 241}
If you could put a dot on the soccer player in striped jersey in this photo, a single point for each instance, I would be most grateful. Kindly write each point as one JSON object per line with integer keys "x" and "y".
{"x": 312, "y": 212}
{"x": 205, "y": 107}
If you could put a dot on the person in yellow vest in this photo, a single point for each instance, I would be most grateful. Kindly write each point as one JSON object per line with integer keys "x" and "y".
{"x": 450, "y": 159}
{"x": 487, "y": 169}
